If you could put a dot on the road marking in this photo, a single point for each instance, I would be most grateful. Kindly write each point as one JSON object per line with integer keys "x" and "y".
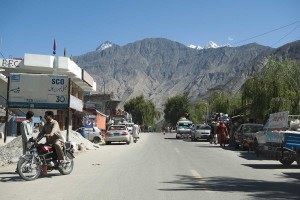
{"x": 200, "y": 180}
{"x": 177, "y": 150}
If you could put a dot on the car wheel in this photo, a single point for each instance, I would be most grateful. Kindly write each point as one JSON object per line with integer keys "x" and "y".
{"x": 255, "y": 147}
{"x": 243, "y": 147}
{"x": 128, "y": 142}
{"x": 96, "y": 140}
{"x": 107, "y": 142}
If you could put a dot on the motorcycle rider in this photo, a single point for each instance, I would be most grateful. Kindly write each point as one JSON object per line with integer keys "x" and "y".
{"x": 53, "y": 136}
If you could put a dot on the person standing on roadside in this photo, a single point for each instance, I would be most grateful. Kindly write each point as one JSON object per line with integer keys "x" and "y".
{"x": 222, "y": 132}
{"x": 26, "y": 129}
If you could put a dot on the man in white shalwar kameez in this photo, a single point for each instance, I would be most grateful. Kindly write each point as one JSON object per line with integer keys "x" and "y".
{"x": 135, "y": 131}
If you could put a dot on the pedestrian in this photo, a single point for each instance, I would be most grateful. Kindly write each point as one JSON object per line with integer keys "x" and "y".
{"x": 41, "y": 124}
{"x": 27, "y": 130}
{"x": 222, "y": 133}
{"x": 135, "y": 131}
{"x": 53, "y": 135}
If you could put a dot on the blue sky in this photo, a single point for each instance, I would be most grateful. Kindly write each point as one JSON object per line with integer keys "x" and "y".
{"x": 80, "y": 26}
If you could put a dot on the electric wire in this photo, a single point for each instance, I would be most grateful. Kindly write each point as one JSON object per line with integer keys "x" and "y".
{"x": 266, "y": 32}
{"x": 286, "y": 35}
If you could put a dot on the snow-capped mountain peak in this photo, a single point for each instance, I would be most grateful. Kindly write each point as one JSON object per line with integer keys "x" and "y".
{"x": 211, "y": 44}
{"x": 195, "y": 47}
{"x": 104, "y": 45}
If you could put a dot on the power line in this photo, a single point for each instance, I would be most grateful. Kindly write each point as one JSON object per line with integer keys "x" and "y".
{"x": 2, "y": 55}
{"x": 286, "y": 35}
{"x": 266, "y": 32}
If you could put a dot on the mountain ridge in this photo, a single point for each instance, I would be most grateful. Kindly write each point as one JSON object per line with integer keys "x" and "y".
{"x": 160, "y": 68}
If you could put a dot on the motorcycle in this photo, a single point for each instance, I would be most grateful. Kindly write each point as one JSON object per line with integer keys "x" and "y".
{"x": 41, "y": 158}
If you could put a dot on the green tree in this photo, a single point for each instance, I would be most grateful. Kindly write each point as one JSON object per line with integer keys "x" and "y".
{"x": 275, "y": 89}
{"x": 219, "y": 101}
{"x": 176, "y": 107}
{"x": 143, "y": 112}
{"x": 199, "y": 112}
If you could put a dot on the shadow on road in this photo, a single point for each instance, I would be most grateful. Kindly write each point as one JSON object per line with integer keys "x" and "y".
{"x": 255, "y": 188}
{"x": 272, "y": 166}
{"x": 292, "y": 175}
{"x": 14, "y": 177}
{"x": 172, "y": 138}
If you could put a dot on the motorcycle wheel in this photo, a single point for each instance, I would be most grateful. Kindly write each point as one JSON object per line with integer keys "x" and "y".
{"x": 286, "y": 161}
{"x": 28, "y": 170}
{"x": 298, "y": 159}
{"x": 67, "y": 168}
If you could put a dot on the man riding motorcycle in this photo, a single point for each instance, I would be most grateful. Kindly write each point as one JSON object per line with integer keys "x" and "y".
{"x": 53, "y": 136}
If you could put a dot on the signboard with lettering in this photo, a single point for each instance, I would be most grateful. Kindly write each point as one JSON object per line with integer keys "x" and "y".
{"x": 278, "y": 120}
{"x": 38, "y": 91}
{"x": 10, "y": 63}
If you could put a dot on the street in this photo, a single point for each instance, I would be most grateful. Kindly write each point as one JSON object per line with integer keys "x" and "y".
{"x": 159, "y": 167}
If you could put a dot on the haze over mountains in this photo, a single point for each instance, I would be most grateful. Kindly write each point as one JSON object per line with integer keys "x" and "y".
{"x": 160, "y": 68}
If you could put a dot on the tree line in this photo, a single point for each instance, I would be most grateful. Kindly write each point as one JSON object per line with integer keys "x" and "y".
{"x": 273, "y": 88}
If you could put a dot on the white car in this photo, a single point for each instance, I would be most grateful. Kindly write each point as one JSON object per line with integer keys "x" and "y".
{"x": 201, "y": 132}
{"x": 117, "y": 133}
{"x": 92, "y": 134}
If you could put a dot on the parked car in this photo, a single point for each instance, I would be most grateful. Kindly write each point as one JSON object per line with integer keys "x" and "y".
{"x": 245, "y": 134}
{"x": 117, "y": 133}
{"x": 92, "y": 134}
{"x": 200, "y": 132}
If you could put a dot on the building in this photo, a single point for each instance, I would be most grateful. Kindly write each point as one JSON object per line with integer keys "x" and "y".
{"x": 33, "y": 64}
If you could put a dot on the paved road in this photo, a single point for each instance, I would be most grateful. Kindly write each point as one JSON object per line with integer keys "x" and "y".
{"x": 159, "y": 167}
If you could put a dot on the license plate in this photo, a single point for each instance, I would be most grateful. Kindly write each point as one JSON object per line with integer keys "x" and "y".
{"x": 116, "y": 134}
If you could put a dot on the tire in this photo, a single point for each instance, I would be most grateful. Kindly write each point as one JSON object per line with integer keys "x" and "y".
{"x": 286, "y": 161}
{"x": 255, "y": 147}
{"x": 67, "y": 168}
{"x": 243, "y": 147}
{"x": 107, "y": 143}
{"x": 28, "y": 171}
{"x": 96, "y": 140}
{"x": 128, "y": 142}
{"x": 298, "y": 159}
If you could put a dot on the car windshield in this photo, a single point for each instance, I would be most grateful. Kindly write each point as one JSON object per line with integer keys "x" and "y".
{"x": 253, "y": 128}
{"x": 185, "y": 125}
{"x": 117, "y": 128}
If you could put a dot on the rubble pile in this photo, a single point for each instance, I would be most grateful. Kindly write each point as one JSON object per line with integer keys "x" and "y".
{"x": 11, "y": 152}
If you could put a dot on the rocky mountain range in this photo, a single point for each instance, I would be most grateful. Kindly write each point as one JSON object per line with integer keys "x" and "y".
{"x": 160, "y": 68}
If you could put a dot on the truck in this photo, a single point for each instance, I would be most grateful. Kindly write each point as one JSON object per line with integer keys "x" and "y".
{"x": 279, "y": 139}
{"x": 184, "y": 128}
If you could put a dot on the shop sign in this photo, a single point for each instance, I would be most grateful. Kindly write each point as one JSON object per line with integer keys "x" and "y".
{"x": 38, "y": 91}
